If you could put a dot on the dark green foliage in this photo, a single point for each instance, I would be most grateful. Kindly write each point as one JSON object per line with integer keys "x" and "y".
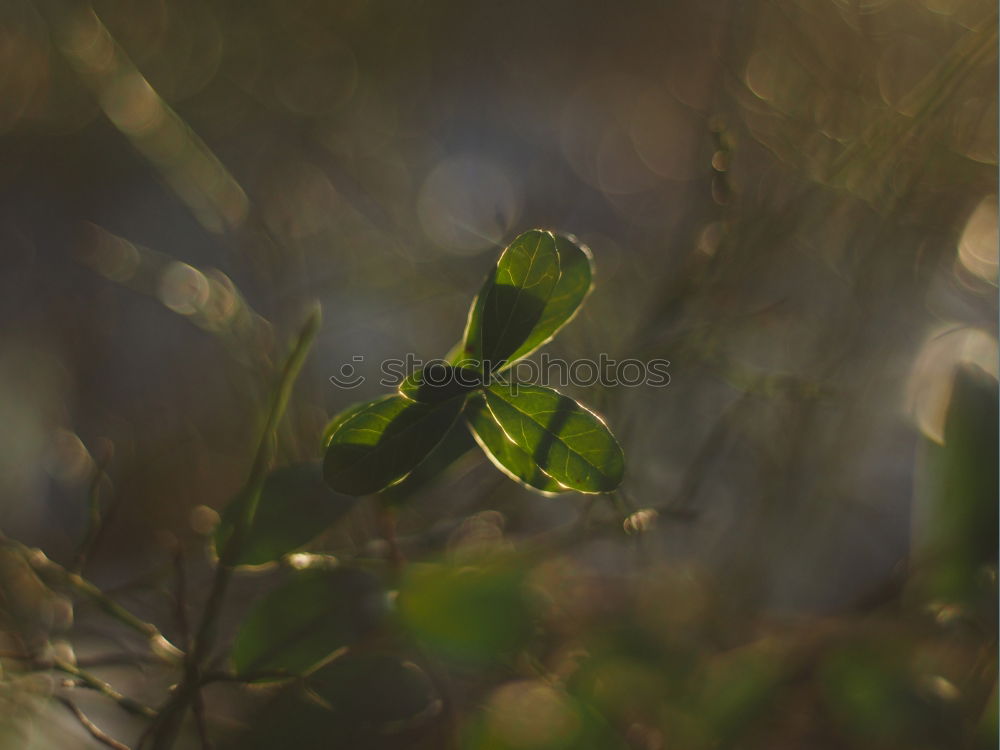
{"x": 962, "y": 526}
{"x": 300, "y": 624}
{"x": 295, "y": 505}
{"x": 383, "y": 442}
{"x": 363, "y": 701}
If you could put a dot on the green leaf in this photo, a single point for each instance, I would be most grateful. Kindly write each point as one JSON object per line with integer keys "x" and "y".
{"x": 384, "y": 441}
{"x": 334, "y": 424}
{"x": 295, "y": 506}
{"x": 568, "y": 442}
{"x": 455, "y": 444}
{"x": 439, "y": 381}
{"x": 376, "y": 692}
{"x": 575, "y": 282}
{"x": 469, "y": 614}
{"x": 503, "y": 452}
{"x": 469, "y": 352}
{"x": 361, "y": 701}
{"x": 510, "y": 304}
{"x": 961, "y": 491}
{"x": 298, "y": 625}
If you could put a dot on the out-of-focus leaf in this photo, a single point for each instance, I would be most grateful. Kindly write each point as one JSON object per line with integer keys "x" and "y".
{"x": 964, "y": 487}
{"x": 295, "y": 505}
{"x": 439, "y": 382}
{"x": 298, "y": 625}
{"x": 505, "y": 454}
{"x": 569, "y": 443}
{"x": 376, "y": 692}
{"x": 510, "y": 304}
{"x": 360, "y": 701}
{"x": 473, "y": 615}
{"x": 455, "y": 444}
{"x": 866, "y": 690}
{"x": 575, "y": 281}
{"x": 988, "y": 727}
{"x": 383, "y": 442}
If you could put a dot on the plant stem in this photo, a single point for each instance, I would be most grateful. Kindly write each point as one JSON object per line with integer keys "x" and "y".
{"x": 94, "y": 517}
{"x": 95, "y": 731}
{"x": 55, "y": 575}
{"x": 165, "y": 728}
{"x": 88, "y": 680}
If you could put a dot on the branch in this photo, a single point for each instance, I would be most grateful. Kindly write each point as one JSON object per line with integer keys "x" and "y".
{"x": 95, "y": 731}
{"x": 164, "y": 729}
{"x": 55, "y": 575}
{"x": 90, "y": 681}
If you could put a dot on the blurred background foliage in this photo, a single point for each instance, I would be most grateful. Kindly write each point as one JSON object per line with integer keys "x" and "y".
{"x": 793, "y": 202}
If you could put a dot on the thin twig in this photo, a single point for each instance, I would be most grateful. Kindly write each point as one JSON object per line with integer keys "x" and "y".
{"x": 94, "y": 683}
{"x": 95, "y": 731}
{"x": 55, "y": 575}
{"x": 180, "y": 603}
{"x": 247, "y": 679}
{"x": 198, "y": 709}
{"x": 180, "y": 598}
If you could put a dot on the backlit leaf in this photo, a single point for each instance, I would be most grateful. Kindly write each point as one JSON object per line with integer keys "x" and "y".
{"x": 438, "y": 382}
{"x": 511, "y": 302}
{"x": 334, "y": 424}
{"x": 383, "y": 442}
{"x": 574, "y": 283}
{"x": 505, "y": 453}
{"x": 575, "y": 280}
{"x": 568, "y": 442}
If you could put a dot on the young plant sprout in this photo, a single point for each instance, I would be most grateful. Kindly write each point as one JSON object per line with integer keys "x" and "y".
{"x": 534, "y": 434}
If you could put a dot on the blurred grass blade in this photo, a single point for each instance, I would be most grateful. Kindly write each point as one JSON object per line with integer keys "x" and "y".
{"x": 568, "y": 442}
{"x": 382, "y": 443}
{"x": 504, "y": 452}
{"x": 298, "y": 625}
{"x": 295, "y": 506}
